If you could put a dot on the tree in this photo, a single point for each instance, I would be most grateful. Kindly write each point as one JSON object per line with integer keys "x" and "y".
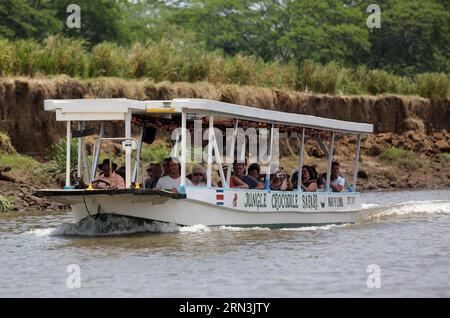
{"x": 414, "y": 37}
{"x": 101, "y": 20}
{"x": 325, "y": 31}
{"x": 27, "y": 19}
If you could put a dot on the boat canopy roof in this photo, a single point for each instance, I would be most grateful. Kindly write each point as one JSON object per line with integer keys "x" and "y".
{"x": 117, "y": 108}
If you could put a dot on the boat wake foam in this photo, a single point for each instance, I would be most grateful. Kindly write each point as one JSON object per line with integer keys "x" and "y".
{"x": 373, "y": 212}
{"x": 110, "y": 225}
{"x": 107, "y": 225}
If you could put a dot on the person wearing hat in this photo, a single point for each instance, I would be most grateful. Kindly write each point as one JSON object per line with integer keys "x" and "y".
{"x": 154, "y": 172}
{"x": 107, "y": 179}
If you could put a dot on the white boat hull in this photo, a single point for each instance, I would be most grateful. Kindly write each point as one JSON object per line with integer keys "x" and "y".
{"x": 214, "y": 207}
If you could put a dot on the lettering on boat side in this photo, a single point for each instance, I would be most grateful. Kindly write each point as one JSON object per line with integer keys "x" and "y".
{"x": 255, "y": 199}
{"x": 351, "y": 200}
{"x": 335, "y": 202}
{"x": 279, "y": 201}
{"x": 227, "y": 307}
{"x": 284, "y": 200}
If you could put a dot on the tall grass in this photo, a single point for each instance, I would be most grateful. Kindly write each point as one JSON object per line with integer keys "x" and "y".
{"x": 6, "y": 146}
{"x": 58, "y": 156}
{"x": 401, "y": 157}
{"x": 5, "y": 205}
{"x": 170, "y": 61}
{"x": 154, "y": 154}
{"x": 433, "y": 85}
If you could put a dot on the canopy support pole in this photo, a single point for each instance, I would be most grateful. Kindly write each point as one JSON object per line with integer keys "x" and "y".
{"x": 355, "y": 171}
{"x": 84, "y": 154}
{"x": 219, "y": 161}
{"x": 233, "y": 143}
{"x": 97, "y": 152}
{"x": 128, "y": 150}
{"x": 68, "y": 145}
{"x": 210, "y": 148}
{"x": 300, "y": 164}
{"x": 80, "y": 149}
{"x": 138, "y": 156}
{"x": 182, "y": 188}
{"x": 267, "y": 183}
{"x": 330, "y": 159}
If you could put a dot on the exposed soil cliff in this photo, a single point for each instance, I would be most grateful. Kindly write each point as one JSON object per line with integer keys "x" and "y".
{"x": 33, "y": 130}
{"x": 419, "y": 125}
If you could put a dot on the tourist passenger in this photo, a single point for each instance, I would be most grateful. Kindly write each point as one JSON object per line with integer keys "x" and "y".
{"x": 235, "y": 182}
{"x": 172, "y": 180}
{"x": 254, "y": 171}
{"x": 279, "y": 181}
{"x": 239, "y": 171}
{"x": 309, "y": 183}
{"x": 316, "y": 176}
{"x": 165, "y": 166}
{"x": 154, "y": 172}
{"x": 108, "y": 179}
{"x": 121, "y": 171}
{"x": 198, "y": 176}
{"x": 321, "y": 180}
{"x": 337, "y": 183}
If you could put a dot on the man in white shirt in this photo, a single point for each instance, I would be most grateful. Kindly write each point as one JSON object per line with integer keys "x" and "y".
{"x": 172, "y": 180}
{"x": 337, "y": 183}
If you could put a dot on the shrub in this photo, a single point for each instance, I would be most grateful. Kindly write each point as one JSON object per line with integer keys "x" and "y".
{"x": 58, "y": 156}
{"x": 64, "y": 56}
{"x": 5, "y": 144}
{"x": 154, "y": 153}
{"x": 400, "y": 157}
{"x": 432, "y": 85}
{"x": 5, "y": 205}
{"x": 108, "y": 59}
{"x": 6, "y": 57}
{"x": 445, "y": 156}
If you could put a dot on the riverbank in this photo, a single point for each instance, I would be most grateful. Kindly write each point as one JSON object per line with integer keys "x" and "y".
{"x": 385, "y": 165}
{"x": 33, "y": 131}
{"x": 410, "y": 148}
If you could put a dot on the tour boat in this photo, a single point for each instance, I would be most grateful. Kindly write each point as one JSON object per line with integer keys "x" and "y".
{"x": 208, "y": 205}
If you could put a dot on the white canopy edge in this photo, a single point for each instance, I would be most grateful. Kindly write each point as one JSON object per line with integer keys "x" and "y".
{"x": 116, "y": 108}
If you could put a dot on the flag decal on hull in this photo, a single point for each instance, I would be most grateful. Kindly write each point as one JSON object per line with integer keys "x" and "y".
{"x": 219, "y": 197}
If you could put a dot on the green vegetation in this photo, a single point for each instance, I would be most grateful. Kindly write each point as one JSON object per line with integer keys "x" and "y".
{"x": 445, "y": 156}
{"x": 401, "y": 157}
{"x": 27, "y": 167}
{"x": 5, "y": 144}
{"x": 163, "y": 61}
{"x": 432, "y": 85}
{"x": 154, "y": 154}
{"x": 5, "y": 205}
{"x": 58, "y": 157}
{"x": 324, "y": 46}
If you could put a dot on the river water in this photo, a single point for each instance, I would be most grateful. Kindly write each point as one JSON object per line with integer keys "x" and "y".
{"x": 400, "y": 247}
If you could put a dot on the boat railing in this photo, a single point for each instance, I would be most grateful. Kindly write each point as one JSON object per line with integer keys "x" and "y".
{"x": 128, "y": 144}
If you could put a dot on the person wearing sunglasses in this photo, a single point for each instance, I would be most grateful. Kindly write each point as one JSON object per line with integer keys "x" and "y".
{"x": 198, "y": 177}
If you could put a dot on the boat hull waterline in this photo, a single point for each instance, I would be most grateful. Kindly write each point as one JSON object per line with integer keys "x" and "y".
{"x": 215, "y": 206}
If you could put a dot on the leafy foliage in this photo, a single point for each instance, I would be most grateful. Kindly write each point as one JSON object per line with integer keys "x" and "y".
{"x": 5, "y": 205}
{"x": 235, "y": 41}
{"x": 58, "y": 156}
{"x": 401, "y": 157}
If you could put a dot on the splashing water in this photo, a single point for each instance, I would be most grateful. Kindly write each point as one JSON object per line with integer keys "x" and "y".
{"x": 405, "y": 209}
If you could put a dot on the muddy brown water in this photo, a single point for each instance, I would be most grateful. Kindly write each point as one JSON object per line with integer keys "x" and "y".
{"x": 398, "y": 248}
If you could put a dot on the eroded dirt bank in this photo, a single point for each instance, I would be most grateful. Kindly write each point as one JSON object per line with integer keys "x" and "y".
{"x": 32, "y": 130}
{"x": 411, "y": 123}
